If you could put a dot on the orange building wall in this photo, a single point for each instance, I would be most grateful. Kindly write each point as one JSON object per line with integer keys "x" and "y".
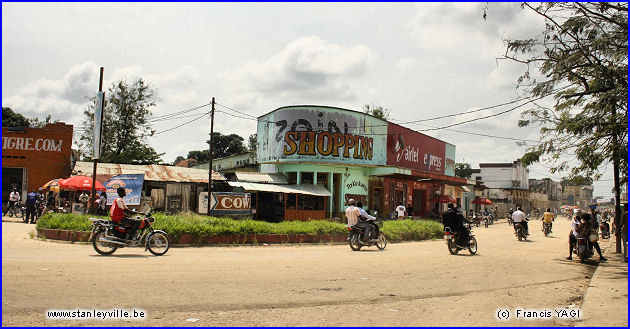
{"x": 38, "y": 150}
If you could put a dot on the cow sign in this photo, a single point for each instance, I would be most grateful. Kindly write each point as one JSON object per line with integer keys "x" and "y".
{"x": 225, "y": 203}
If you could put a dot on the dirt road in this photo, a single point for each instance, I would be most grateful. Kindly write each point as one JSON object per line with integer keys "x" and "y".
{"x": 407, "y": 284}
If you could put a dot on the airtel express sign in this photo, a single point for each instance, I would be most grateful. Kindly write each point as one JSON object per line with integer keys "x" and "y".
{"x": 410, "y": 149}
{"x": 31, "y": 144}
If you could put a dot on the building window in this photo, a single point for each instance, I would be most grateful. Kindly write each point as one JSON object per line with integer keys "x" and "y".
{"x": 322, "y": 179}
{"x": 307, "y": 178}
{"x": 292, "y": 178}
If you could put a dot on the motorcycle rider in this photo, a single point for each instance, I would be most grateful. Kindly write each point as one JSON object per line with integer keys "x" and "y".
{"x": 548, "y": 219}
{"x": 510, "y": 216}
{"x": 14, "y": 199}
{"x": 363, "y": 218}
{"x": 589, "y": 227}
{"x": 119, "y": 211}
{"x": 519, "y": 218}
{"x": 352, "y": 215}
{"x": 454, "y": 220}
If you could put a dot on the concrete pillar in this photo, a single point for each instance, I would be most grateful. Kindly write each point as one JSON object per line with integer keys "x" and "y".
{"x": 299, "y": 177}
{"x": 331, "y": 189}
{"x": 314, "y": 177}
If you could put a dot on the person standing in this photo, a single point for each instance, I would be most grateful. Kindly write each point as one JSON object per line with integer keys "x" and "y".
{"x": 14, "y": 199}
{"x": 400, "y": 210}
{"x": 102, "y": 201}
{"x": 31, "y": 200}
{"x": 84, "y": 198}
{"x": 409, "y": 210}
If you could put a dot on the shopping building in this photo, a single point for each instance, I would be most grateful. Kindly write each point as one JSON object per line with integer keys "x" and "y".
{"x": 33, "y": 156}
{"x": 357, "y": 156}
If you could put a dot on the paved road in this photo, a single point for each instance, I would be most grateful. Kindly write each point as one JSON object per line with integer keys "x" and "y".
{"x": 407, "y": 284}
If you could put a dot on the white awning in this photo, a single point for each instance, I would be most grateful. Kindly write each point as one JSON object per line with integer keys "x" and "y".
{"x": 465, "y": 188}
{"x": 306, "y": 189}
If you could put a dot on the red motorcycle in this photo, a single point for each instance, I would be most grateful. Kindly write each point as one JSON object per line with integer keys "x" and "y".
{"x": 107, "y": 236}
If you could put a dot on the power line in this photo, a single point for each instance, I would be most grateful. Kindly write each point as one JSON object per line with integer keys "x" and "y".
{"x": 185, "y": 123}
{"x": 237, "y": 111}
{"x": 171, "y": 115}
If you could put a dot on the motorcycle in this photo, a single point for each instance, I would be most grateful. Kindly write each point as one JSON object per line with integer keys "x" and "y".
{"x": 477, "y": 220}
{"x": 546, "y": 228}
{"x": 355, "y": 233}
{"x": 604, "y": 227}
{"x": 510, "y": 221}
{"x": 520, "y": 231}
{"x": 108, "y": 236}
{"x": 452, "y": 241}
{"x": 584, "y": 249}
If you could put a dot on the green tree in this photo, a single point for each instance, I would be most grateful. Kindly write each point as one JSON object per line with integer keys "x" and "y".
{"x": 126, "y": 125}
{"x": 13, "y": 119}
{"x": 582, "y": 57}
{"x": 223, "y": 146}
{"x": 577, "y": 181}
{"x": 252, "y": 142}
{"x": 178, "y": 159}
{"x": 377, "y": 111}
{"x": 463, "y": 170}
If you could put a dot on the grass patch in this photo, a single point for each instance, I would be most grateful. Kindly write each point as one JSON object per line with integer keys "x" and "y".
{"x": 201, "y": 225}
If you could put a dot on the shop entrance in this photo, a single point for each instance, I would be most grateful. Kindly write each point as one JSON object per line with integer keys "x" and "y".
{"x": 420, "y": 202}
{"x": 12, "y": 178}
{"x": 270, "y": 206}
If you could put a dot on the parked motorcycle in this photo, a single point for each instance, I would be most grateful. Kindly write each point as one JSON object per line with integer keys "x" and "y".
{"x": 584, "y": 249}
{"x": 546, "y": 228}
{"x": 520, "y": 231}
{"x": 107, "y": 236}
{"x": 355, "y": 233}
{"x": 452, "y": 241}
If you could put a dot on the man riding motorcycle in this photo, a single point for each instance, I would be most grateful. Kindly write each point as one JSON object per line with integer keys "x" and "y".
{"x": 352, "y": 215}
{"x": 118, "y": 213}
{"x": 363, "y": 218}
{"x": 548, "y": 219}
{"x": 589, "y": 227}
{"x": 519, "y": 218}
{"x": 455, "y": 221}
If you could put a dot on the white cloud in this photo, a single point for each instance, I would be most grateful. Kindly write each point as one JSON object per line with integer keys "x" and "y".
{"x": 405, "y": 64}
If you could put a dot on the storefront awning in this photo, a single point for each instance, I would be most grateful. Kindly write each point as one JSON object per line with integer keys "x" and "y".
{"x": 306, "y": 189}
{"x": 465, "y": 188}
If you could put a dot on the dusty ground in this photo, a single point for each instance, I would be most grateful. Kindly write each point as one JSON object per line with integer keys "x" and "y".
{"x": 407, "y": 284}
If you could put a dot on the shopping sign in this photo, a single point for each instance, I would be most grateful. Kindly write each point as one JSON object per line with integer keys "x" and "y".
{"x": 225, "y": 203}
{"x": 132, "y": 184}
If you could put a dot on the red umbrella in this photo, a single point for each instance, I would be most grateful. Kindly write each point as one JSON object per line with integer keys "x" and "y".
{"x": 443, "y": 199}
{"x": 80, "y": 183}
{"x": 481, "y": 201}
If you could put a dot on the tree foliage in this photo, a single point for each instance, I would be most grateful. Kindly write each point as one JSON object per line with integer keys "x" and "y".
{"x": 577, "y": 181}
{"x": 11, "y": 118}
{"x": 223, "y": 146}
{"x": 126, "y": 124}
{"x": 377, "y": 111}
{"x": 252, "y": 142}
{"x": 463, "y": 170}
{"x": 582, "y": 57}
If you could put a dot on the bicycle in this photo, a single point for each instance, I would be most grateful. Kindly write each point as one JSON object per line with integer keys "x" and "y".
{"x": 16, "y": 210}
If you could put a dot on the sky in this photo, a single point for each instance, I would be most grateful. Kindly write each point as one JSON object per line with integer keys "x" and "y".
{"x": 420, "y": 60}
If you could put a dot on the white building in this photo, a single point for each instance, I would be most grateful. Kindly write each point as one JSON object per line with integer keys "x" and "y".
{"x": 507, "y": 183}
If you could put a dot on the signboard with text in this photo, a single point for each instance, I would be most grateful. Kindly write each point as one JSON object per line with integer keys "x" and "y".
{"x": 410, "y": 149}
{"x": 225, "y": 203}
{"x": 132, "y": 183}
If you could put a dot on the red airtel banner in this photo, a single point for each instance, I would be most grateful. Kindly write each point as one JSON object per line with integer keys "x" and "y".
{"x": 410, "y": 149}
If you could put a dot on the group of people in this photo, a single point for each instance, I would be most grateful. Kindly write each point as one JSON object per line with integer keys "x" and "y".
{"x": 401, "y": 211}
{"x": 35, "y": 204}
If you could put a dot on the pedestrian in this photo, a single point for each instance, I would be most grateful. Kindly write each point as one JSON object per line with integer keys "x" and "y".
{"x": 409, "y": 210}
{"x": 84, "y": 198}
{"x": 401, "y": 211}
{"x": 14, "y": 199}
{"x": 573, "y": 234}
{"x": 50, "y": 202}
{"x": 31, "y": 200}
{"x": 102, "y": 201}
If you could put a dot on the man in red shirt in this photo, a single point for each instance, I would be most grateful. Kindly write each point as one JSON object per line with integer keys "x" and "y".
{"x": 119, "y": 214}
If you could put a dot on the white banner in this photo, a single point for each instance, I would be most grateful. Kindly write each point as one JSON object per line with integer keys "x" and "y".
{"x": 98, "y": 124}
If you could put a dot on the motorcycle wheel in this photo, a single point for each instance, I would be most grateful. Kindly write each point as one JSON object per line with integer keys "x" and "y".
{"x": 520, "y": 236}
{"x": 157, "y": 243}
{"x": 472, "y": 248}
{"x": 381, "y": 242}
{"x": 452, "y": 248}
{"x": 102, "y": 248}
{"x": 353, "y": 241}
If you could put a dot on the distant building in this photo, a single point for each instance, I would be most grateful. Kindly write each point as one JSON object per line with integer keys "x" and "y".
{"x": 551, "y": 189}
{"x": 578, "y": 195}
{"x": 188, "y": 163}
{"x": 507, "y": 184}
{"x": 231, "y": 164}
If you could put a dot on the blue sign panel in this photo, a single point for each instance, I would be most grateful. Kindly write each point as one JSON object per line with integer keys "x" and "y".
{"x": 132, "y": 184}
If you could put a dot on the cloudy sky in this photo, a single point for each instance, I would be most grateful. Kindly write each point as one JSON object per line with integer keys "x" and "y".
{"x": 419, "y": 60}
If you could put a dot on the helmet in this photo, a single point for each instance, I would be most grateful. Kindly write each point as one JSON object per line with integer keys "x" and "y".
{"x": 121, "y": 191}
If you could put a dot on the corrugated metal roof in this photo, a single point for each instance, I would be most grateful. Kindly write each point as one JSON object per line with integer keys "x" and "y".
{"x": 259, "y": 177}
{"x": 159, "y": 173}
{"x": 307, "y": 189}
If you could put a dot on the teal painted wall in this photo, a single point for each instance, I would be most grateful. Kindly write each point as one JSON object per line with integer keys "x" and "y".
{"x": 449, "y": 170}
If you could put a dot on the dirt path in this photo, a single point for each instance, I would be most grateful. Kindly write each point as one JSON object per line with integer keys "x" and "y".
{"x": 407, "y": 284}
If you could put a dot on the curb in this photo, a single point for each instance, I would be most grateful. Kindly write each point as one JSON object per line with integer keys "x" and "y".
{"x": 190, "y": 240}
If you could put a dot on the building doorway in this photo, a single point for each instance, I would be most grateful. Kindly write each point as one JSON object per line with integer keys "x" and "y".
{"x": 13, "y": 178}
{"x": 420, "y": 202}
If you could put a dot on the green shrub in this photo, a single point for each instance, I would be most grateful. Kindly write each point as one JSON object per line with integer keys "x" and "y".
{"x": 200, "y": 225}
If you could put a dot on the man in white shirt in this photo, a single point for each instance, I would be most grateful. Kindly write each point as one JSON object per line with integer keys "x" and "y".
{"x": 352, "y": 214}
{"x": 14, "y": 198}
{"x": 401, "y": 211}
{"x": 519, "y": 217}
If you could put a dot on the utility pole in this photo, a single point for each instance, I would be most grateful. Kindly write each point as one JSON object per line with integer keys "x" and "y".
{"x": 617, "y": 188}
{"x": 98, "y": 134}
{"x": 210, "y": 159}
